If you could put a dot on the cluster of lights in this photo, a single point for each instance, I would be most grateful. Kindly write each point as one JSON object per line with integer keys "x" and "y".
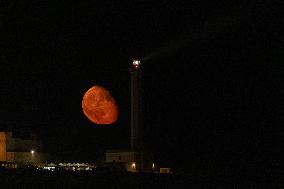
{"x": 136, "y": 63}
{"x": 68, "y": 167}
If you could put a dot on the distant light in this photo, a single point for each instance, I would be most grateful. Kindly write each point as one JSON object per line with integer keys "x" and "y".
{"x": 153, "y": 166}
{"x": 136, "y": 63}
{"x": 133, "y": 165}
{"x": 32, "y": 151}
{"x": 49, "y": 168}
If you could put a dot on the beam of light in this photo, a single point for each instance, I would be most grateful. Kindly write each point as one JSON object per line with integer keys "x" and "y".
{"x": 179, "y": 43}
{"x": 160, "y": 52}
{"x": 201, "y": 34}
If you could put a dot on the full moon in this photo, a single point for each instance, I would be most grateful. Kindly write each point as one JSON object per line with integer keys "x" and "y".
{"x": 99, "y": 106}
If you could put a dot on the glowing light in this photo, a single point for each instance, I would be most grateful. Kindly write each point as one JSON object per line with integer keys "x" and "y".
{"x": 133, "y": 165}
{"x": 136, "y": 63}
{"x": 32, "y": 151}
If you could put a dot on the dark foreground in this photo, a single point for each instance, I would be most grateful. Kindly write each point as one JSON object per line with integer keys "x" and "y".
{"x": 21, "y": 178}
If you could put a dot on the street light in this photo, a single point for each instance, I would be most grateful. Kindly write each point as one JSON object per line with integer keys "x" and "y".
{"x": 133, "y": 165}
{"x": 32, "y": 155}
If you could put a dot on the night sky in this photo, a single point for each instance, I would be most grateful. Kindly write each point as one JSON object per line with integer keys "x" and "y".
{"x": 213, "y": 78}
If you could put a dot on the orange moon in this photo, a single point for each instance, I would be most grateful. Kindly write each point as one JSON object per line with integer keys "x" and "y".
{"x": 99, "y": 106}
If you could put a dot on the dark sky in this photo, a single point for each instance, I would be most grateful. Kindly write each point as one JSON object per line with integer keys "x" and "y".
{"x": 212, "y": 77}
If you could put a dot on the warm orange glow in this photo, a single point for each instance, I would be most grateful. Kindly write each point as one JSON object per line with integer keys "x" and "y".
{"x": 99, "y": 106}
{"x": 133, "y": 165}
{"x": 3, "y": 154}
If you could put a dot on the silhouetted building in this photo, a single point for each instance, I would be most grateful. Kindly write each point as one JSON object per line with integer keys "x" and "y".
{"x": 20, "y": 151}
{"x": 132, "y": 161}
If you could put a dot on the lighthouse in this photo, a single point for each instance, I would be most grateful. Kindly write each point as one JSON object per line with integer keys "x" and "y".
{"x": 136, "y": 107}
{"x": 137, "y": 158}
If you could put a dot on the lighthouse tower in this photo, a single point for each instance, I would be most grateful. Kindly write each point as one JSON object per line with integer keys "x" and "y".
{"x": 135, "y": 159}
{"x": 136, "y": 107}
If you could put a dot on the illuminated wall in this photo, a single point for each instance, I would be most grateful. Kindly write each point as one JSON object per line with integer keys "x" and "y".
{"x": 21, "y": 145}
{"x": 133, "y": 161}
{"x": 2, "y": 146}
{"x": 20, "y": 150}
{"x": 120, "y": 157}
{"x": 26, "y": 157}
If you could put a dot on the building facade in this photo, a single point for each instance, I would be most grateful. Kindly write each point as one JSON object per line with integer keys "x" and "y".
{"x": 130, "y": 161}
{"x": 19, "y": 151}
